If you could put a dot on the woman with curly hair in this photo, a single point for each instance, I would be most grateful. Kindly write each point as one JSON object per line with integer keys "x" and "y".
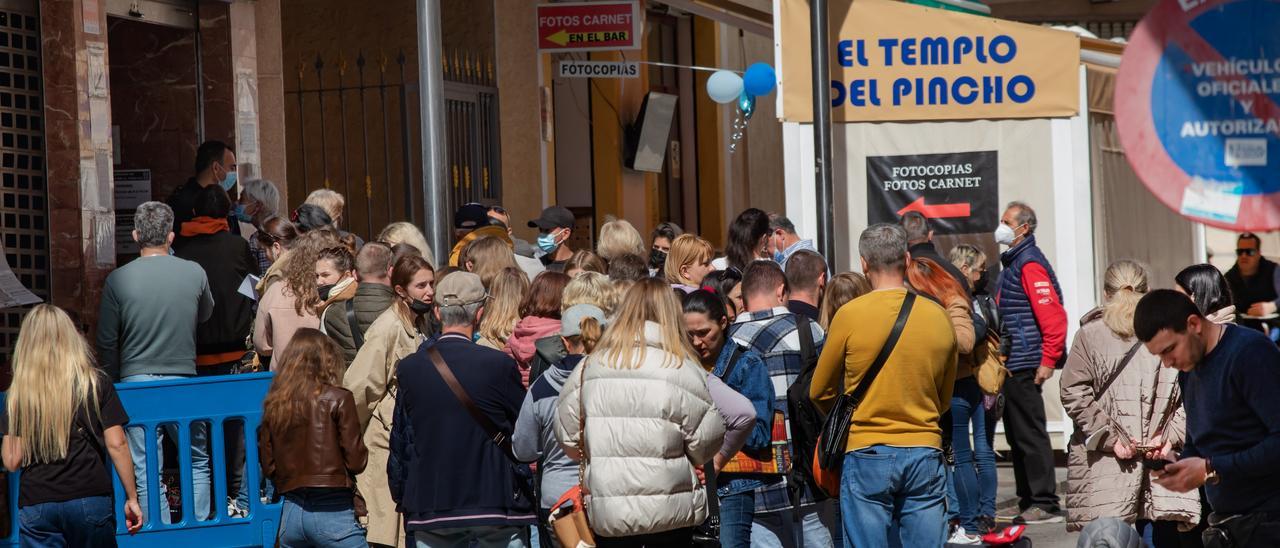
{"x": 292, "y": 304}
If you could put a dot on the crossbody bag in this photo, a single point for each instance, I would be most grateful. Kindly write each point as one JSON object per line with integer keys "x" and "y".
{"x": 833, "y": 441}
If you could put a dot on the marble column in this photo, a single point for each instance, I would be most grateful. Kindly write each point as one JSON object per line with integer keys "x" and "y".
{"x": 271, "y": 124}
{"x": 78, "y": 152}
{"x": 217, "y": 77}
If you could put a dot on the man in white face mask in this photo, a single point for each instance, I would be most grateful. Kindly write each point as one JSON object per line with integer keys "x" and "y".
{"x": 1035, "y": 325}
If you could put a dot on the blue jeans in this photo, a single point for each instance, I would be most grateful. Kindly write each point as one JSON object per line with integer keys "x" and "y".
{"x": 735, "y": 519}
{"x": 200, "y": 495}
{"x": 817, "y": 528}
{"x": 489, "y": 536}
{"x": 319, "y": 517}
{"x": 971, "y": 487}
{"x": 903, "y": 488}
{"x": 89, "y": 521}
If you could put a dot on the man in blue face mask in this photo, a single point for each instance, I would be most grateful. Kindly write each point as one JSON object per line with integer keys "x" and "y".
{"x": 555, "y": 227}
{"x": 215, "y": 164}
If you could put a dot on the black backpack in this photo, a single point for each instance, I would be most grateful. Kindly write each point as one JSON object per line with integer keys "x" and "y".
{"x": 806, "y": 419}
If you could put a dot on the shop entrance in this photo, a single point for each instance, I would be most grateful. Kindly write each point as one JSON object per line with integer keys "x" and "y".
{"x": 154, "y": 74}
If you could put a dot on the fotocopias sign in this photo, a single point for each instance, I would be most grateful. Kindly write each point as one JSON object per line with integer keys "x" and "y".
{"x": 1197, "y": 110}
{"x": 892, "y": 61}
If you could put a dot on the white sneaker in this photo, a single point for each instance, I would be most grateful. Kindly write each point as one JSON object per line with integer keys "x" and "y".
{"x": 234, "y": 510}
{"x": 959, "y": 537}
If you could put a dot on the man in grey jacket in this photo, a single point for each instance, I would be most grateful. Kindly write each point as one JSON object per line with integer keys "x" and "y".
{"x": 147, "y": 332}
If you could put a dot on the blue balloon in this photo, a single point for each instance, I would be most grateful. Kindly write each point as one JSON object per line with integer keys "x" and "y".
{"x": 724, "y": 86}
{"x": 746, "y": 104}
{"x": 760, "y": 79}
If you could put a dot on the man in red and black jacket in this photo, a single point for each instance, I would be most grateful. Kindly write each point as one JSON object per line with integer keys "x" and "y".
{"x": 1035, "y": 330}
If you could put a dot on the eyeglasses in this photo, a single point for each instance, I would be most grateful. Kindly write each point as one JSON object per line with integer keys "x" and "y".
{"x": 1246, "y": 252}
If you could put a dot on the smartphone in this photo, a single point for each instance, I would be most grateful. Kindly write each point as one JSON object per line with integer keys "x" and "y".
{"x": 1154, "y": 464}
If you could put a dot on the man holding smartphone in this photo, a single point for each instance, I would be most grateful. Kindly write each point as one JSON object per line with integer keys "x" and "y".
{"x": 1230, "y": 377}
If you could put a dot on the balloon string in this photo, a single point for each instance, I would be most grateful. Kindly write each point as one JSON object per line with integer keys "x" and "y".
{"x": 693, "y": 67}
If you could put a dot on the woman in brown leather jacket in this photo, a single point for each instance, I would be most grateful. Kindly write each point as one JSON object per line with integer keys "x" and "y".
{"x": 309, "y": 444}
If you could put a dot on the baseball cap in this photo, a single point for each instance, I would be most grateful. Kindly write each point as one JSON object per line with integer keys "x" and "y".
{"x": 459, "y": 289}
{"x": 571, "y": 319}
{"x": 553, "y": 217}
{"x": 471, "y": 216}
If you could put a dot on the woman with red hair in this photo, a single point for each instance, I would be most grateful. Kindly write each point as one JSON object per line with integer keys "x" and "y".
{"x": 931, "y": 280}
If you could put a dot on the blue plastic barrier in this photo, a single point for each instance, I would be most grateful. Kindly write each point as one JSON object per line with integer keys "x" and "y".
{"x": 215, "y": 400}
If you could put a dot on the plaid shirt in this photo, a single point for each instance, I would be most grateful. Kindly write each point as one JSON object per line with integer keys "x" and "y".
{"x": 773, "y": 334}
{"x": 260, "y": 254}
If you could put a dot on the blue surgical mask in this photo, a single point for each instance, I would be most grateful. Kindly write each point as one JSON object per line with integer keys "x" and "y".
{"x": 779, "y": 258}
{"x": 229, "y": 181}
{"x": 241, "y": 215}
{"x": 547, "y": 242}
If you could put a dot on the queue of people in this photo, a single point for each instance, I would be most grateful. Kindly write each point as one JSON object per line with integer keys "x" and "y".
{"x": 672, "y": 395}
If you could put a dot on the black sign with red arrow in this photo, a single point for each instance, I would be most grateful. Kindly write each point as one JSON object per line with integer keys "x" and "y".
{"x": 958, "y": 191}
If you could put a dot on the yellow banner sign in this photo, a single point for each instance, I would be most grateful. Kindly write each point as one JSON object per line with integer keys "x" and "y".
{"x": 892, "y": 61}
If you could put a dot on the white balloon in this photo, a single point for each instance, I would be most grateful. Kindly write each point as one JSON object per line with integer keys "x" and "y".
{"x": 724, "y": 86}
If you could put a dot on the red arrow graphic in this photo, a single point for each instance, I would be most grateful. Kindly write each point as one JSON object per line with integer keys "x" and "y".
{"x": 939, "y": 211}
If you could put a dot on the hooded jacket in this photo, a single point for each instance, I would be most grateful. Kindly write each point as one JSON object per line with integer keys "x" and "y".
{"x": 1098, "y": 484}
{"x": 534, "y": 438}
{"x": 368, "y": 301}
{"x": 226, "y": 261}
{"x": 522, "y": 345}
{"x": 645, "y": 429}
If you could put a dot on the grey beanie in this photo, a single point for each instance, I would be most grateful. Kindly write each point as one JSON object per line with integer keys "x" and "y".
{"x": 571, "y": 319}
{"x": 1109, "y": 533}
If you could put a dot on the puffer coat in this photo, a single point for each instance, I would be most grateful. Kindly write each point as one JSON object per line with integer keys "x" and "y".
{"x": 646, "y": 430}
{"x": 1137, "y": 401}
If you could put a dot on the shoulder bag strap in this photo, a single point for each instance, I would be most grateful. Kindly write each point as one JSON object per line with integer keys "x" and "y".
{"x": 886, "y": 350}
{"x": 806, "y": 339}
{"x": 500, "y": 438}
{"x": 1115, "y": 374}
{"x": 582, "y": 425}
{"x": 356, "y": 335}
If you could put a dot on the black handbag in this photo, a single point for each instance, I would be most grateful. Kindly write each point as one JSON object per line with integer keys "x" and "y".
{"x": 707, "y": 533}
{"x": 833, "y": 442}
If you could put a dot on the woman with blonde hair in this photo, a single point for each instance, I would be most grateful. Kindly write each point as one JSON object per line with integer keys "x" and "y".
{"x": 309, "y": 445}
{"x": 844, "y": 287}
{"x": 403, "y": 232}
{"x": 640, "y": 404}
{"x": 372, "y": 379}
{"x": 62, "y": 419}
{"x": 689, "y": 262}
{"x": 617, "y": 238}
{"x": 486, "y": 257}
{"x": 293, "y": 303}
{"x": 591, "y": 288}
{"x": 502, "y": 311}
{"x": 1124, "y": 404}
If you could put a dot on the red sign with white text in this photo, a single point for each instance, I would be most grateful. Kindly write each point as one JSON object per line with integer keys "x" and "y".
{"x": 588, "y": 26}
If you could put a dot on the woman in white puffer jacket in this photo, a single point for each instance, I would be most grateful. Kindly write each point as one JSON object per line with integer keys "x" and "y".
{"x": 649, "y": 421}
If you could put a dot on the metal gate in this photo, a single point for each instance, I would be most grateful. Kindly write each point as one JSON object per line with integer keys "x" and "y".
{"x": 23, "y": 193}
{"x": 352, "y": 126}
{"x": 471, "y": 117}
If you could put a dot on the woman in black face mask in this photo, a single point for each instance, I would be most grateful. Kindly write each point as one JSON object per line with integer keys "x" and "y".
{"x": 663, "y": 235}
{"x": 394, "y": 335}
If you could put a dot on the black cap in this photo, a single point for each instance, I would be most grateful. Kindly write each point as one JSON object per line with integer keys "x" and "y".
{"x": 471, "y": 216}
{"x": 553, "y": 217}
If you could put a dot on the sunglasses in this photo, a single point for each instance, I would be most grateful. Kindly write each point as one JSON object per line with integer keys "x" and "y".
{"x": 1246, "y": 252}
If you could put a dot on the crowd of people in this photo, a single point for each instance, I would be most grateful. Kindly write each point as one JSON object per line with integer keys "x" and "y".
{"x": 672, "y": 393}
